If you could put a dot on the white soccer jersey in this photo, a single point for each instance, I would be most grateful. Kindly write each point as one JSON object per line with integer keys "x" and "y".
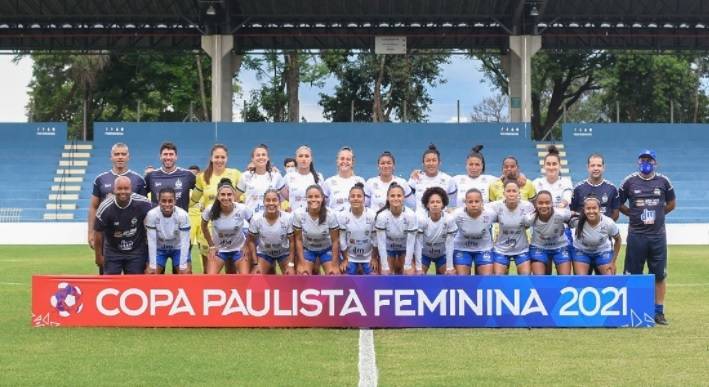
{"x": 168, "y": 233}
{"x": 254, "y": 186}
{"x": 474, "y": 234}
{"x": 596, "y": 239}
{"x": 228, "y": 230}
{"x": 297, "y": 185}
{"x": 561, "y": 189}
{"x": 357, "y": 234}
{"x": 465, "y": 183}
{"x": 550, "y": 234}
{"x": 337, "y": 191}
{"x": 435, "y": 238}
{"x": 273, "y": 239}
{"x": 396, "y": 228}
{"x": 376, "y": 191}
{"x": 512, "y": 236}
{"x": 316, "y": 236}
{"x": 424, "y": 182}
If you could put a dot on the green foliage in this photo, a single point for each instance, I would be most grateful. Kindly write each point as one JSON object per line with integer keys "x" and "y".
{"x": 165, "y": 84}
{"x": 402, "y": 81}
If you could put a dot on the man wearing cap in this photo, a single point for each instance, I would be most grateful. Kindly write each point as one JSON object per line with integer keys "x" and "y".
{"x": 650, "y": 197}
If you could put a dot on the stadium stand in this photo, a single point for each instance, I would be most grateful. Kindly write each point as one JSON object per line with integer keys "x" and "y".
{"x": 679, "y": 151}
{"x": 406, "y": 141}
{"x": 28, "y": 160}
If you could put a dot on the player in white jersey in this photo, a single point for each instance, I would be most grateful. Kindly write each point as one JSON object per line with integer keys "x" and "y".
{"x": 549, "y": 243}
{"x": 396, "y": 234}
{"x": 316, "y": 234}
{"x": 474, "y": 177}
{"x": 376, "y": 187}
{"x": 592, "y": 240}
{"x": 357, "y": 235}
{"x": 560, "y": 187}
{"x": 436, "y": 230}
{"x": 225, "y": 237}
{"x": 256, "y": 181}
{"x": 337, "y": 188}
{"x": 271, "y": 237}
{"x": 472, "y": 244}
{"x": 431, "y": 176}
{"x": 511, "y": 242}
{"x": 299, "y": 180}
{"x": 168, "y": 233}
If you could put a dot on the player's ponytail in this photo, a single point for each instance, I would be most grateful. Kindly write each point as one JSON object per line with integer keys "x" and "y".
{"x": 431, "y": 150}
{"x": 552, "y": 151}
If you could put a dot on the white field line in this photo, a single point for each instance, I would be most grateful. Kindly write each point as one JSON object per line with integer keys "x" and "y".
{"x": 368, "y": 374}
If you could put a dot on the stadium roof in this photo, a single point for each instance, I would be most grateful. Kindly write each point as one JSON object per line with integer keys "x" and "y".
{"x": 323, "y": 24}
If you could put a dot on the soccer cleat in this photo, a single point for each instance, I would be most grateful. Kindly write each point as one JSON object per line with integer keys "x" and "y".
{"x": 660, "y": 319}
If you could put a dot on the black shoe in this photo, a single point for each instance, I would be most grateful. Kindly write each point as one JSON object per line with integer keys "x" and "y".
{"x": 660, "y": 319}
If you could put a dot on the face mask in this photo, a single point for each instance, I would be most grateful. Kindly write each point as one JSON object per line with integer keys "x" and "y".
{"x": 290, "y": 169}
{"x": 646, "y": 167}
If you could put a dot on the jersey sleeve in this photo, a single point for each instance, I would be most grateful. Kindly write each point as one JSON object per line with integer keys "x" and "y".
{"x": 576, "y": 200}
{"x": 451, "y": 225}
{"x": 205, "y": 214}
{"x": 100, "y": 223}
{"x": 669, "y": 190}
{"x": 413, "y": 223}
{"x": 278, "y": 182}
{"x": 612, "y": 228}
{"x": 289, "y": 224}
{"x": 96, "y": 190}
{"x": 241, "y": 184}
{"x": 615, "y": 199}
{"x": 326, "y": 189}
{"x": 248, "y": 213}
{"x": 332, "y": 221}
{"x": 380, "y": 222}
{"x": 253, "y": 226}
{"x": 140, "y": 187}
{"x": 296, "y": 222}
{"x": 198, "y": 190}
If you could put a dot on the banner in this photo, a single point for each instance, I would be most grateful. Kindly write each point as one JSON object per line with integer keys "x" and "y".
{"x": 343, "y": 301}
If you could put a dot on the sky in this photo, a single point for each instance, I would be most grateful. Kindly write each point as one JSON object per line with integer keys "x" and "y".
{"x": 464, "y": 83}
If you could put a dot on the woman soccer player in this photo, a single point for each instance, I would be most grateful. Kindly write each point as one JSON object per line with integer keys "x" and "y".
{"x": 474, "y": 178}
{"x": 473, "y": 241}
{"x": 559, "y": 187}
{"x": 592, "y": 240}
{"x": 255, "y": 182}
{"x": 303, "y": 177}
{"x": 271, "y": 236}
{"x": 205, "y": 191}
{"x": 431, "y": 176}
{"x": 337, "y": 188}
{"x": 396, "y": 233}
{"x": 436, "y": 230}
{"x": 316, "y": 234}
{"x": 376, "y": 187}
{"x": 511, "y": 242}
{"x": 168, "y": 233}
{"x": 226, "y": 239}
{"x": 548, "y": 241}
{"x": 356, "y": 235}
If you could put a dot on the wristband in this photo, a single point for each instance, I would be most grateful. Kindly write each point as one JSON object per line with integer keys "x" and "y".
{"x": 291, "y": 264}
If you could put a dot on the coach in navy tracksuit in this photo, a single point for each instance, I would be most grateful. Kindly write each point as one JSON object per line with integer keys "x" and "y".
{"x": 650, "y": 197}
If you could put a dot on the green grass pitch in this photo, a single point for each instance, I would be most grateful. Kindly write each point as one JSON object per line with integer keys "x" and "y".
{"x": 674, "y": 355}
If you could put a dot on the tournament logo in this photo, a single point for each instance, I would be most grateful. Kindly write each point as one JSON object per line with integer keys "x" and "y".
{"x": 67, "y": 300}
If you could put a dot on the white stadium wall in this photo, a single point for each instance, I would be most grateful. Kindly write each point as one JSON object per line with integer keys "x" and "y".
{"x": 74, "y": 233}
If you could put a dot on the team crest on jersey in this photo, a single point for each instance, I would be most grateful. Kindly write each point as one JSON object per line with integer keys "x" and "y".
{"x": 657, "y": 192}
{"x": 178, "y": 184}
{"x": 604, "y": 198}
{"x": 134, "y": 221}
{"x": 116, "y": 224}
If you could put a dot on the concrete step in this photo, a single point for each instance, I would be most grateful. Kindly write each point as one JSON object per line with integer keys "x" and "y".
{"x": 61, "y": 206}
{"x": 66, "y": 188}
{"x": 59, "y": 216}
{"x": 542, "y": 154}
{"x": 544, "y": 146}
{"x": 66, "y": 179}
{"x": 72, "y": 171}
{"x": 76, "y": 155}
{"x": 78, "y": 146}
{"x": 63, "y": 197}
{"x": 73, "y": 163}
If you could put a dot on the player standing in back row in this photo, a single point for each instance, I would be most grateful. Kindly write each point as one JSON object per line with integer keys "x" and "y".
{"x": 650, "y": 197}
{"x": 170, "y": 175}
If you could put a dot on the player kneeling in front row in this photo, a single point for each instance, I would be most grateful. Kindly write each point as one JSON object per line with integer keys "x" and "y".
{"x": 271, "y": 236}
{"x": 592, "y": 239}
{"x": 226, "y": 240}
{"x": 168, "y": 231}
{"x": 317, "y": 237}
{"x": 357, "y": 234}
{"x": 472, "y": 244}
{"x": 436, "y": 230}
{"x": 549, "y": 243}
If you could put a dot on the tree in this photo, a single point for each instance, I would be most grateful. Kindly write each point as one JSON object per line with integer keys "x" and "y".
{"x": 646, "y": 86}
{"x": 491, "y": 109}
{"x": 559, "y": 80}
{"x": 381, "y": 87}
{"x": 164, "y": 84}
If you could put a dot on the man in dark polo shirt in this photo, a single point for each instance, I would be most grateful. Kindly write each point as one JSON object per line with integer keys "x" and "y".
{"x": 650, "y": 197}
{"x": 119, "y": 233}
{"x": 170, "y": 175}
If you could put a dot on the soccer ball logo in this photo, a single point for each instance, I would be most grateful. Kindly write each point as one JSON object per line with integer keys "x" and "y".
{"x": 67, "y": 299}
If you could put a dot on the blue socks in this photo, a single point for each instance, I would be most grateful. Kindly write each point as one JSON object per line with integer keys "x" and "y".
{"x": 659, "y": 308}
